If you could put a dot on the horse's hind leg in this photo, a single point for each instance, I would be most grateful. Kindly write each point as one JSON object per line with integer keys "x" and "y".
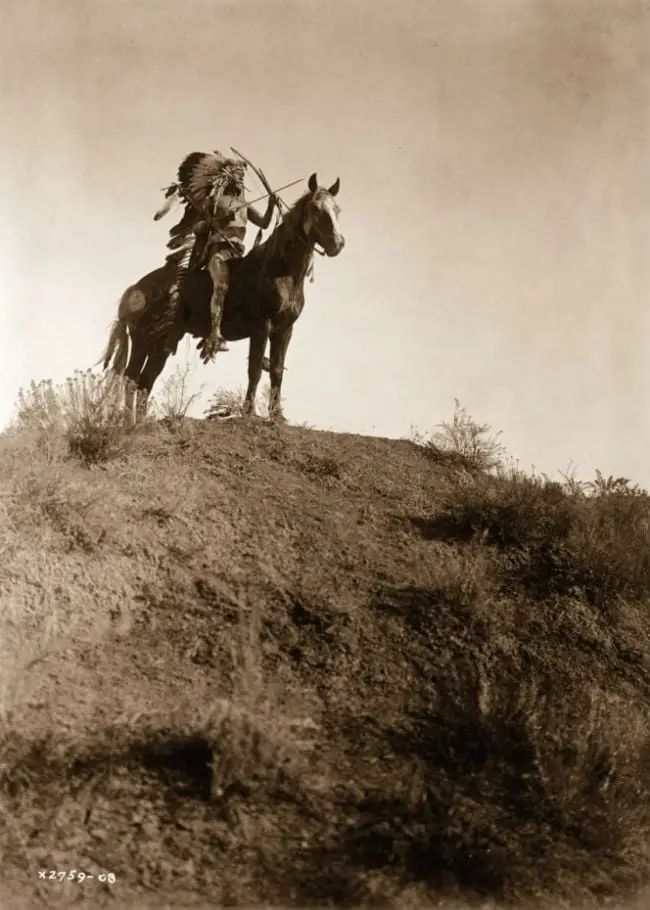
{"x": 255, "y": 357}
{"x": 153, "y": 368}
{"x": 133, "y": 373}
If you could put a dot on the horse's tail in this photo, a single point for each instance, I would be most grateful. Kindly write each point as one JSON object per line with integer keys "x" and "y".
{"x": 117, "y": 348}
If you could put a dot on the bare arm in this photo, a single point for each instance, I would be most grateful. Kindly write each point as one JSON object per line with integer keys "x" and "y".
{"x": 261, "y": 221}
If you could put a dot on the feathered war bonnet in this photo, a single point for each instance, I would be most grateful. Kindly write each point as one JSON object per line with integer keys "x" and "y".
{"x": 199, "y": 175}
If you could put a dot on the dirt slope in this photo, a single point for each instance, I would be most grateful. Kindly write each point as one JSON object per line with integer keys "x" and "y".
{"x": 239, "y": 668}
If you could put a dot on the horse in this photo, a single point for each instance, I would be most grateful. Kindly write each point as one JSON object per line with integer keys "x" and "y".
{"x": 265, "y": 297}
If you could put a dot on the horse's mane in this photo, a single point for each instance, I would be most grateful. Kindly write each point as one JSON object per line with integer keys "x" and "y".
{"x": 283, "y": 234}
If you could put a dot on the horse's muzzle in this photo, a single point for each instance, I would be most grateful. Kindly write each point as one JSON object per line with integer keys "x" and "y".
{"x": 335, "y": 248}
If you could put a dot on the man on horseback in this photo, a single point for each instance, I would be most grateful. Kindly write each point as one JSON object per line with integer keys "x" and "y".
{"x": 211, "y": 232}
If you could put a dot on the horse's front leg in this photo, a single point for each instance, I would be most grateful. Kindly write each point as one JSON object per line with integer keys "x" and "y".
{"x": 255, "y": 358}
{"x": 279, "y": 344}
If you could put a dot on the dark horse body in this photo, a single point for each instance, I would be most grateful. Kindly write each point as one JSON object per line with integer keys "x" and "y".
{"x": 265, "y": 297}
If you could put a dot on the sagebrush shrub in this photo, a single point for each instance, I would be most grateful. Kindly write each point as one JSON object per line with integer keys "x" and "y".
{"x": 228, "y": 403}
{"x": 87, "y": 410}
{"x": 464, "y": 442}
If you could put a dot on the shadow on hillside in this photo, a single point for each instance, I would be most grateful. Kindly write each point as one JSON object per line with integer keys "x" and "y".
{"x": 182, "y": 763}
{"x": 439, "y": 527}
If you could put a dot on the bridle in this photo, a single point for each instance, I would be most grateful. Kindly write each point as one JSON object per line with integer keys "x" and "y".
{"x": 313, "y": 243}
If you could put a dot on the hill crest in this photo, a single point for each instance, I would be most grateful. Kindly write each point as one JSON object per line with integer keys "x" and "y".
{"x": 250, "y": 663}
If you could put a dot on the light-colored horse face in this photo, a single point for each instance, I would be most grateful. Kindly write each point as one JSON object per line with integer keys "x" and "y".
{"x": 321, "y": 224}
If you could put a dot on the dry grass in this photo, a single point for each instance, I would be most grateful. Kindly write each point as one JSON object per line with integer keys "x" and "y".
{"x": 259, "y": 665}
{"x": 557, "y": 539}
{"x": 174, "y": 399}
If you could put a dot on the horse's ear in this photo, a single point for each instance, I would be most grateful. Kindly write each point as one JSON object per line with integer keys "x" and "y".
{"x": 313, "y": 183}
{"x": 335, "y": 187}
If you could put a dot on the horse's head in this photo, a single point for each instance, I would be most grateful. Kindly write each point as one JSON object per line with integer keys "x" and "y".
{"x": 321, "y": 217}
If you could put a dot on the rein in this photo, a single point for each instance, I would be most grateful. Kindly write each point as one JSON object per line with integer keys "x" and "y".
{"x": 310, "y": 268}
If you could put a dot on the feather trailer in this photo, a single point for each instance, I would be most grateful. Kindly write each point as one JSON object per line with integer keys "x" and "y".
{"x": 183, "y": 229}
{"x": 171, "y": 196}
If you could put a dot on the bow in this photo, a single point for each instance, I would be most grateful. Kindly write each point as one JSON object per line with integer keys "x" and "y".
{"x": 265, "y": 183}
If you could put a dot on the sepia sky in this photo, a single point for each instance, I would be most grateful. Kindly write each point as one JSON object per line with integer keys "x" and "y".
{"x": 495, "y": 192}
